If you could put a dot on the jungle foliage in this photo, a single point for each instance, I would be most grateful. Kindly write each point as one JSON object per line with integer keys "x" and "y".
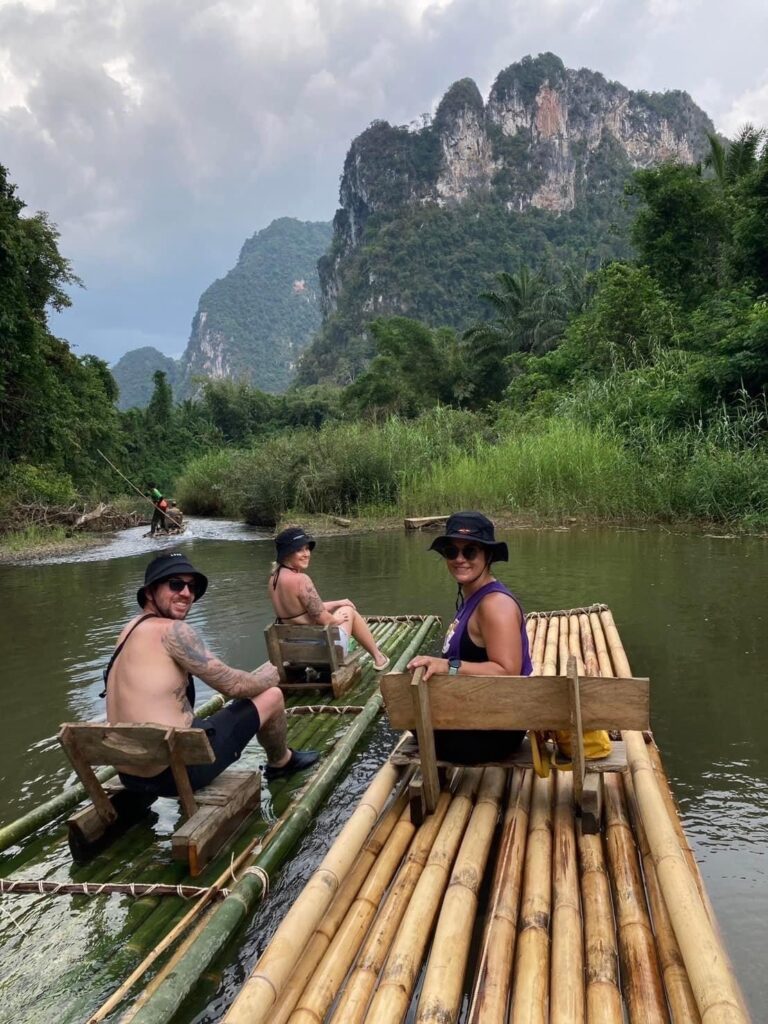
{"x": 635, "y": 389}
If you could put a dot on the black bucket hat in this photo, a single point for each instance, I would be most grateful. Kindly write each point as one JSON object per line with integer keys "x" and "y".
{"x": 163, "y": 567}
{"x": 472, "y": 526}
{"x": 292, "y": 539}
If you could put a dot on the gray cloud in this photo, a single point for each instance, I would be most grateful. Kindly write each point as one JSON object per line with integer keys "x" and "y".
{"x": 159, "y": 134}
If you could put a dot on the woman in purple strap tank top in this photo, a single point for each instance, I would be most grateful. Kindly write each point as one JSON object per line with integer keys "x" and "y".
{"x": 487, "y": 636}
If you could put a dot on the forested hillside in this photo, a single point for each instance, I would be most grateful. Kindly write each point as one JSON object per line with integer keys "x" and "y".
{"x": 254, "y": 323}
{"x": 133, "y": 374}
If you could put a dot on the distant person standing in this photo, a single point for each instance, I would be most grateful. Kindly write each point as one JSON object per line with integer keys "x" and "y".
{"x": 161, "y": 506}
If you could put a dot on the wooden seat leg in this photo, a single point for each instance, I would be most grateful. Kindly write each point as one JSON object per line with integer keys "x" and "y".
{"x": 426, "y": 737}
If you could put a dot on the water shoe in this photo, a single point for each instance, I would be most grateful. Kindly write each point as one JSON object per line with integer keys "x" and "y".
{"x": 298, "y": 761}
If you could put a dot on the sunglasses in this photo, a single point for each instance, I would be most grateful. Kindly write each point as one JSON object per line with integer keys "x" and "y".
{"x": 177, "y": 586}
{"x": 469, "y": 552}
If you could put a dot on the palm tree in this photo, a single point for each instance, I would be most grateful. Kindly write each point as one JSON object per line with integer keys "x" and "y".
{"x": 732, "y": 161}
{"x": 517, "y": 327}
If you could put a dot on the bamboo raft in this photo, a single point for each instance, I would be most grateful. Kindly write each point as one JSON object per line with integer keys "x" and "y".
{"x": 112, "y": 951}
{"x": 496, "y": 908}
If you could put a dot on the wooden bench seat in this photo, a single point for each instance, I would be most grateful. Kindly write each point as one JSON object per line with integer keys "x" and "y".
{"x": 212, "y": 814}
{"x": 531, "y": 703}
{"x": 311, "y": 657}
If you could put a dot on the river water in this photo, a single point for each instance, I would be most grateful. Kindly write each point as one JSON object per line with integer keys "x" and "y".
{"x": 692, "y": 611}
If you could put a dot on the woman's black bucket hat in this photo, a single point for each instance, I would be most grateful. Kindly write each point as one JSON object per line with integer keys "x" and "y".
{"x": 292, "y": 539}
{"x": 163, "y": 567}
{"x": 472, "y": 526}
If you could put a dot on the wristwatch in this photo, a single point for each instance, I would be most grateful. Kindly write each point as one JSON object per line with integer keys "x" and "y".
{"x": 453, "y": 666}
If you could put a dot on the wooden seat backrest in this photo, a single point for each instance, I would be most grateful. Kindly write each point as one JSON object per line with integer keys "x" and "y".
{"x": 518, "y": 702}
{"x": 304, "y": 645}
{"x": 134, "y": 746}
{"x": 562, "y": 703}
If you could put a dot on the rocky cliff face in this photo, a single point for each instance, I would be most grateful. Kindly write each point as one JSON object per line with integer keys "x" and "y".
{"x": 255, "y": 322}
{"x": 542, "y": 141}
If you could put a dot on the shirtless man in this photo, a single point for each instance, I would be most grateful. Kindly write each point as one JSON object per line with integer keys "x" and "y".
{"x": 295, "y": 599}
{"x": 149, "y": 679}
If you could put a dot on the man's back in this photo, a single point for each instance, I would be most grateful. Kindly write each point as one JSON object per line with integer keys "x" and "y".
{"x": 145, "y": 684}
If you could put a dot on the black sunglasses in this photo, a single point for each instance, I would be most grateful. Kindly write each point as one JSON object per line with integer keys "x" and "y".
{"x": 469, "y": 551}
{"x": 177, "y": 586}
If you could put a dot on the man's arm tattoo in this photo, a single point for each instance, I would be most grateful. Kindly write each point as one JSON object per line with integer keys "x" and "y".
{"x": 310, "y": 598}
{"x": 187, "y": 649}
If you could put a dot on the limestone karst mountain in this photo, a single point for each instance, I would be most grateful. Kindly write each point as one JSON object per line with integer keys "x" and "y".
{"x": 428, "y": 215}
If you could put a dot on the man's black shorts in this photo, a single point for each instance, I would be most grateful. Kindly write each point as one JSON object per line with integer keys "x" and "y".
{"x": 228, "y": 731}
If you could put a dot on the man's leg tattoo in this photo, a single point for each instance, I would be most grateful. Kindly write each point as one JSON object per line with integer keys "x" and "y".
{"x": 272, "y": 736}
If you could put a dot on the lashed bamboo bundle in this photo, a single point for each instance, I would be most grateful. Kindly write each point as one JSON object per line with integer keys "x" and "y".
{"x": 443, "y": 985}
{"x": 271, "y": 973}
{"x": 330, "y": 923}
{"x": 395, "y": 988}
{"x": 714, "y": 987}
{"x": 318, "y": 995}
{"x": 353, "y": 1003}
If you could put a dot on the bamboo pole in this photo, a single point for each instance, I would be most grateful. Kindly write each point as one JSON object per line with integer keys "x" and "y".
{"x": 574, "y": 643}
{"x": 45, "y": 888}
{"x": 601, "y": 958}
{"x": 324, "y": 985}
{"x": 549, "y": 665}
{"x": 567, "y": 972}
{"x": 530, "y": 989}
{"x": 563, "y": 646}
{"x": 494, "y": 971}
{"x": 395, "y": 989}
{"x": 268, "y": 978}
{"x": 714, "y": 985}
{"x": 640, "y": 974}
{"x": 680, "y": 997}
{"x": 380, "y": 833}
{"x": 442, "y": 991}
{"x": 601, "y": 648}
{"x": 214, "y": 890}
{"x": 354, "y": 999}
{"x": 539, "y": 642}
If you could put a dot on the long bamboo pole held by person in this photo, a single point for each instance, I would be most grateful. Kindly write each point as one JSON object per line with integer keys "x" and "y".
{"x": 130, "y": 483}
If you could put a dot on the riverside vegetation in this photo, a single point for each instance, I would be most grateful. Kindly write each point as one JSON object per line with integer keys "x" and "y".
{"x": 635, "y": 390}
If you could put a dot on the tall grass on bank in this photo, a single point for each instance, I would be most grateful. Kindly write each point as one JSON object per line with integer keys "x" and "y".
{"x": 548, "y": 468}
{"x": 339, "y": 468}
{"x": 552, "y": 469}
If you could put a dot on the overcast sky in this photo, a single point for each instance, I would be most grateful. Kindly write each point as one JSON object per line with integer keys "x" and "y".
{"x": 160, "y": 134}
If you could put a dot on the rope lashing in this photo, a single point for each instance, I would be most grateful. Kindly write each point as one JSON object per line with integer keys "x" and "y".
{"x": 135, "y": 889}
{"x": 324, "y": 709}
{"x": 261, "y": 874}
